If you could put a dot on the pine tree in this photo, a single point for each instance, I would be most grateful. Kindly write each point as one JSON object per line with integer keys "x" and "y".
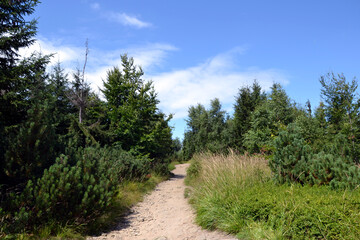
{"x": 246, "y": 102}
{"x": 340, "y": 99}
{"x": 270, "y": 117}
{"x": 135, "y": 119}
{"x": 196, "y": 135}
{"x": 217, "y": 126}
{"x": 15, "y": 33}
{"x": 342, "y": 108}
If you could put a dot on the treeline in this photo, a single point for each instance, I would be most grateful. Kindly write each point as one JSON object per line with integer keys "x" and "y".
{"x": 63, "y": 149}
{"x": 318, "y": 147}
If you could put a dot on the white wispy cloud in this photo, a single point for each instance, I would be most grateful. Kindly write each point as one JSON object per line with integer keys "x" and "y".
{"x": 218, "y": 77}
{"x": 95, "y": 6}
{"x": 127, "y": 20}
{"x": 62, "y": 53}
{"x": 149, "y": 57}
{"x": 120, "y": 17}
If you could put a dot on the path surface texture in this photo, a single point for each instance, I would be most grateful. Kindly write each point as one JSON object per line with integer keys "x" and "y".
{"x": 163, "y": 215}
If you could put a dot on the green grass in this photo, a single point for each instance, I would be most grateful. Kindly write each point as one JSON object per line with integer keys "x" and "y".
{"x": 236, "y": 194}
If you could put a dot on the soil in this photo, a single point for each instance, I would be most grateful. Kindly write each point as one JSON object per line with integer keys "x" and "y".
{"x": 165, "y": 214}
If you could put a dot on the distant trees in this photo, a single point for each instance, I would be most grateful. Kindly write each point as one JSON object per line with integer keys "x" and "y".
{"x": 302, "y": 146}
{"x": 257, "y": 120}
{"x": 246, "y": 102}
{"x": 206, "y": 129}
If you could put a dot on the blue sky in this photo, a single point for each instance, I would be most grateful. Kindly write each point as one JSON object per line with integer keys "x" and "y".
{"x": 197, "y": 50}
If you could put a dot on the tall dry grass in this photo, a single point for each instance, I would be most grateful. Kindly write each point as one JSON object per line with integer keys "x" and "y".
{"x": 222, "y": 170}
{"x": 235, "y": 193}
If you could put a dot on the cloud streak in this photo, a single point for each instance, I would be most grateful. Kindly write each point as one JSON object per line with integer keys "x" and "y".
{"x": 120, "y": 17}
{"x": 127, "y": 20}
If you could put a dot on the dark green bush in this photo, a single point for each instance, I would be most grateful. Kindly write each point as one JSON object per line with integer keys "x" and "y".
{"x": 72, "y": 191}
{"x": 291, "y": 156}
{"x": 293, "y": 161}
{"x": 339, "y": 173}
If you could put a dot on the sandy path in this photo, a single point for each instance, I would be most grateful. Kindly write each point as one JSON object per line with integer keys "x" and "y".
{"x": 163, "y": 215}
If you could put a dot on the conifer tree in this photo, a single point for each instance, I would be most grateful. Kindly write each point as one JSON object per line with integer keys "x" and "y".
{"x": 342, "y": 113}
{"x": 135, "y": 119}
{"x": 246, "y": 102}
{"x": 15, "y": 33}
{"x": 217, "y": 127}
{"x": 268, "y": 119}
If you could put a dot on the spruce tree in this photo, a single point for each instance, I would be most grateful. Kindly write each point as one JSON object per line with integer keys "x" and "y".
{"x": 342, "y": 108}
{"x": 135, "y": 119}
{"x": 268, "y": 118}
{"x": 246, "y": 102}
{"x": 15, "y": 33}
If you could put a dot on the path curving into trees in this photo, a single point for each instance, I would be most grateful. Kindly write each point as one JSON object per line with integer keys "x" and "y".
{"x": 163, "y": 215}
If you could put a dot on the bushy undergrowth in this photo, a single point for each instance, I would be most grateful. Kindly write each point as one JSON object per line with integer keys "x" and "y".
{"x": 237, "y": 194}
{"x": 73, "y": 191}
{"x": 295, "y": 161}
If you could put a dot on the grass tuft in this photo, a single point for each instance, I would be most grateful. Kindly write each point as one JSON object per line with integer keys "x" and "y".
{"x": 237, "y": 194}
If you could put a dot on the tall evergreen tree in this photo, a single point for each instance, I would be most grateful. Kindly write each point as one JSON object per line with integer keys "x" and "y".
{"x": 246, "y": 102}
{"x": 135, "y": 119}
{"x": 268, "y": 119}
{"x": 15, "y": 33}
{"x": 342, "y": 114}
{"x": 341, "y": 104}
{"x": 217, "y": 126}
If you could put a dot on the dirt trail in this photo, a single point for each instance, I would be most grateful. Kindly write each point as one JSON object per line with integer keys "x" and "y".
{"x": 163, "y": 215}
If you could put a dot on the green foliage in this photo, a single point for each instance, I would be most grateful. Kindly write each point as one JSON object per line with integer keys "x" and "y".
{"x": 15, "y": 31}
{"x": 246, "y": 102}
{"x": 342, "y": 110}
{"x": 73, "y": 190}
{"x": 267, "y": 120}
{"x": 21, "y": 108}
{"x": 32, "y": 147}
{"x": 206, "y": 130}
{"x": 294, "y": 161}
{"x": 236, "y": 194}
{"x": 290, "y": 162}
{"x": 138, "y": 125}
{"x": 326, "y": 169}
{"x": 340, "y": 98}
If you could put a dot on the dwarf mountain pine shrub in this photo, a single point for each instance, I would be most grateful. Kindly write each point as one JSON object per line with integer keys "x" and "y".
{"x": 74, "y": 190}
{"x": 294, "y": 161}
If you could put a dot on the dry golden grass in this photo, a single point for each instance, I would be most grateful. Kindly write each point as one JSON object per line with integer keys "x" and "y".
{"x": 231, "y": 168}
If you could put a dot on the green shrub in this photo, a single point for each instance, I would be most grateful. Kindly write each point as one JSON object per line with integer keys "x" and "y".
{"x": 294, "y": 161}
{"x": 193, "y": 170}
{"x": 73, "y": 190}
{"x": 237, "y": 195}
{"x": 339, "y": 173}
{"x": 291, "y": 156}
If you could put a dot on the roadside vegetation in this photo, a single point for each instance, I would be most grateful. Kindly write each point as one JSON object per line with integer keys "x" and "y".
{"x": 276, "y": 169}
{"x": 70, "y": 161}
{"x": 237, "y": 194}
